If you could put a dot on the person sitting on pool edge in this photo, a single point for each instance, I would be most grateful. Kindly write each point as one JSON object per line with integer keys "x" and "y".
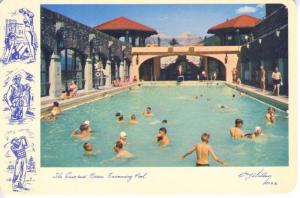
{"x": 270, "y": 115}
{"x": 54, "y": 111}
{"x": 82, "y": 134}
{"x": 203, "y": 149}
{"x": 257, "y": 133}
{"x": 88, "y": 148}
{"x": 121, "y": 152}
{"x": 123, "y": 138}
{"x": 236, "y": 131}
{"x": 162, "y": 137}
{"x": 148, "y": 112}
{"x": 133, "y": 120}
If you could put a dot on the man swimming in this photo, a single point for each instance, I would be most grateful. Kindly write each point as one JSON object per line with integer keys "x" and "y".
{"x": 88, "y": 148}
{"x": 133, "y": 120}
{"x": 203, "y": 150}
{"x": 270, "y": 115}
{"x": 236, "y": 131}
{"x": 148, "y": 112}
{"x": 121, "y": 152}
{"x": 120, "y": 119}
{"x": 257, "y": 133}
{"x": 162, "y": 137}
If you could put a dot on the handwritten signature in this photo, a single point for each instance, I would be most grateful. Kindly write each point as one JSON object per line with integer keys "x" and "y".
{"x": 261, "y": 175}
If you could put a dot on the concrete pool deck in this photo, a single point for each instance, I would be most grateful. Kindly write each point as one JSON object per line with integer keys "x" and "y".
{"x": 280, "y": 102}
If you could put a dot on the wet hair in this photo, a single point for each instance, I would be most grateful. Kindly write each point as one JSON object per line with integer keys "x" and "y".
{"x": 233, "y": 95}
{"x": 133, "y": 116}
{"x": 119, "y": 144}
{"x": 222, "y": 106}
{"x": 85, "y": 144}
{"x": 149, "y": 108}
{"x": 204, "y": 135}
{"x": 56, "y": 104}
{"x": 271, "y": 108}
{"x": 163, "y": 129}
{"x": 164, "y": 121}
{"x": 118, "y": 114}
{"x": 238, "y": 121}
{"x": 121, "y": 117}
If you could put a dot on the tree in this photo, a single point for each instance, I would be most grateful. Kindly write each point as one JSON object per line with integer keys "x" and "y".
{"x": 173, "y": 42}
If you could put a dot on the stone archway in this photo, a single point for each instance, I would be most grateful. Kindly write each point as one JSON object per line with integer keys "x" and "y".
{"x": 227, "y": 55}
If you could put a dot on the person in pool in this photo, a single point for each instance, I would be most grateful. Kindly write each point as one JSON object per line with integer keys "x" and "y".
{"x": 123, "y": 138}
{"x": 270, "y": 115}
{"x": 120, "y": 119}
{"x": 236, "y": 131}
{"x": 121, "y": 152}
{"x": 51, "y": 117}
{"x": 82, "y": 134}
{"x": 118, "y": 114}
{"x": 88, "y": 148}
{"x": 162, "y": 137}
{"x": 148, "y": 112}
{"x": 257, "y": 133}
{"x": 133, "y": 120}
{"x": 203, "y": 150}
{"x": 164, "y": 121}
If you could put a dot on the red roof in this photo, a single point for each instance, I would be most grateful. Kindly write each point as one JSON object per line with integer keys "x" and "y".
{"x": 242, "y": 21}
{"x": 122, "y": 23}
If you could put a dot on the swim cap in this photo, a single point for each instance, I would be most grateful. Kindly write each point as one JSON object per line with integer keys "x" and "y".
{"x": 86, "y": 122}
{"x": 123, "y": 134}
{"x": 257, "y": 128}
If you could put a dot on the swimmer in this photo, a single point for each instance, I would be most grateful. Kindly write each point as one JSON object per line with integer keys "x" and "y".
{"x": 87, "y": 124}
{"x": 121, "y": 152}
{"x": 257, "y": 133}
{"x": 88, "y": 148}
{"x": 118, "y": 114}
{"x": 82, "y": 134}
{"x": 162, "y": 137}
{"x": 236, "y": 131}
{"x": 203, "y": 150}
{"x": 270, "y": 115}
{"x": 221, "y": 106}
{"x": 242, "y": 94}
{"x": 196, "y": 97}
{"x": 233, "y": 95}
{"x": 50, "y": 118}
{"x": 164, "y": 121}
{"x": 56, "y": 109}
{"x": 148, "y": 112}
{"x": 123, "y": 138}
{"x": 133, "y": 120}
{"x": 120, "y": 119}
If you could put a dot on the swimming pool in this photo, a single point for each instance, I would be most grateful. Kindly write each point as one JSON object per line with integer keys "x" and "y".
{"x": 187, "y": 119}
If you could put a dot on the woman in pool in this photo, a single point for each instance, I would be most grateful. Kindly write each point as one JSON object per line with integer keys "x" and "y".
{"x": 148, "y": 112}
{"x": 257, "y": 133}
{"x": 123, "y": 138}
{"x": 84, "y": 133}
{"x": 270, "y": 115}
{"x": 133, "y": 120}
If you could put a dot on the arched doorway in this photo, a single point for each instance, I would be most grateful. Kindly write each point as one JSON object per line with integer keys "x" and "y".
{"x": 146, "y": 70}
{"x": 214, "y": 66}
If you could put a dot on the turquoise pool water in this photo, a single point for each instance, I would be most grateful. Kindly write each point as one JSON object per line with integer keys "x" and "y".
{"x": 187, "y": 119}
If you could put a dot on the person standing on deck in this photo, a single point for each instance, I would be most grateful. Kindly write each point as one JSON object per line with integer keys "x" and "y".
{"x": 262, "y": 78}
{"x": 276, "y": 77}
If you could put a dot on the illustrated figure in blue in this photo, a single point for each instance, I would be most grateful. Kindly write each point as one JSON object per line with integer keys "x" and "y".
{"x": 20, "y": 39}
{"x": 17, "y": 97}
{"x": 18, "y": 147}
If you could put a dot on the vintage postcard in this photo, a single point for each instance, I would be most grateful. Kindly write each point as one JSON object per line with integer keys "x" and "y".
{"x": 147, "y": 97}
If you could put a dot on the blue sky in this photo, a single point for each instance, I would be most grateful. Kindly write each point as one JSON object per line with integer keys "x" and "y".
{"x": 168, "y": 19}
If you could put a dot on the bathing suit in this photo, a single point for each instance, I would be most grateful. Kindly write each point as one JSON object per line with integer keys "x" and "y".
{"x": 197, "y": 164}
{"x": 276, "y": 82}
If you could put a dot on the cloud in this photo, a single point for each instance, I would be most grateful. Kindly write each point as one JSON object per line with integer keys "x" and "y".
{"x": 246, "y": 9}
{"x": 260, "y": 5}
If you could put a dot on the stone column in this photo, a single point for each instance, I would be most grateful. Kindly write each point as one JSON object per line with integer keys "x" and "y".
{"x": 206, "y": 65}
{"x": 88, "y": 75}
{"x": 55, "y": 76}
{"x": 108, "y": 73}
{"x": 121, "y": 71}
